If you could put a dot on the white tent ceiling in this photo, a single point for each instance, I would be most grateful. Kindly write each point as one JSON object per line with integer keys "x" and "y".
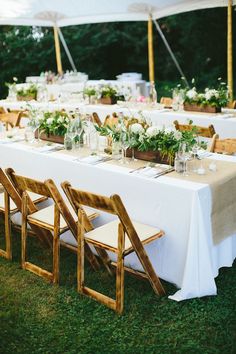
{"x": 72, "y": 12}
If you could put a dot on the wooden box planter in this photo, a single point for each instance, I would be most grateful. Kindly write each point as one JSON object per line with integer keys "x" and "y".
{"x": 152, "y": 156}
{"x": 52, "y": 138}
{"x": 200, "y": 108}
{"x": 108, "y": 100}
{"x": 26, "y": 98}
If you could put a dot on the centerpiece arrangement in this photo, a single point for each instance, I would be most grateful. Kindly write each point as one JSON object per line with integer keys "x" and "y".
{"x": 28, "y": 93}
{"x": 148, "y": 142}
{"x": 211, "y": 100}
{"x": 50, "y": 126}
{"x": 105, "y": 94}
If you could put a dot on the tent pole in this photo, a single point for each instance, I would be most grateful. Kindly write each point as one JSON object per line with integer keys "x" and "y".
{"x": 66, "y": 49}
{"x": 57, "y": 49}
{"x": 230, "y": 50}
{"x": 150, "y": 50}
{"x": 170, "y": 51}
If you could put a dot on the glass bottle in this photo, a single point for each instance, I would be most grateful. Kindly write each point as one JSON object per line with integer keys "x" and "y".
{"x": 152, "y": 93}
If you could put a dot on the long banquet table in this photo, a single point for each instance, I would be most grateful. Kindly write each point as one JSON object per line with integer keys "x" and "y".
{"x": 186, "y": 255}
{"x": 224, "y": 123}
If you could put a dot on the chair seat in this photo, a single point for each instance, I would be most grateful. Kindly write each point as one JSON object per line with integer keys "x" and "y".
{"x": 107, "y": 235}
{"x": 45, "y": 216}
{"x": 36, "y": 198}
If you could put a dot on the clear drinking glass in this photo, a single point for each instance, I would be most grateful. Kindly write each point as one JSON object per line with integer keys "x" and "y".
{"x": 124, "y": 140}
{"x": 132, "y": 140}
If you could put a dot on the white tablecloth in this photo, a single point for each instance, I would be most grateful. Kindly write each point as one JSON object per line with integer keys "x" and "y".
{"x": 224, "y": 123}
{"x": 186, "y": 255}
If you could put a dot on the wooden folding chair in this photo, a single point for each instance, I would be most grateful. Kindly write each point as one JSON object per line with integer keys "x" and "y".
{"x": 232, "y": 104}
{"x": 96, "y": 119}
{"x": 223, "y": 146}
{"x": 121, "y": 236}
{"x": 11, "y": 119}
{"x": 111, "y": 120}
{"x": 48, "y": 219}
{"x": 207, "y": 132}
{"x": 10, "y": 204}
{"x": 166, "y": 101}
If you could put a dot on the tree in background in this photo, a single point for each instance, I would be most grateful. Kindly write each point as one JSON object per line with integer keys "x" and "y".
{"x": 105, "y": 50}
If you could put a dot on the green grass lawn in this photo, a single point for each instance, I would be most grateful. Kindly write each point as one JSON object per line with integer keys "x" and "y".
{"x": 37, "y": 317}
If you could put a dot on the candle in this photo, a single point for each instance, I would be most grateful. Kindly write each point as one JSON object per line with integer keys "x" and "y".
{"x": 201, "y": 171}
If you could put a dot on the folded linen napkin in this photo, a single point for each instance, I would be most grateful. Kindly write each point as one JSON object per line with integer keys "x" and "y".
{"x": 149, "y": 171}
{"x": 92, "y": 159}
{"x": 14, "y": 139}
{"x": 46, "y": 148}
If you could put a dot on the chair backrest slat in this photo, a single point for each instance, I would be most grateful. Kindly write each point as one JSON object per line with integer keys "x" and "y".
{"x": 92, "y": 200}
{"x": 224, "y": 146}
{"x": 96, "y": 119}
{"x": 30, "y": 185}
{"x": 10, "y": 189}
{"x": 206, "y": 132}
{"x": 9, "y": 183}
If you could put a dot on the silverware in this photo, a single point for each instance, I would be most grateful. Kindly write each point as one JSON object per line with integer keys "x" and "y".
{"x": 137, "y": 169}
{"x": 164, "y": 172}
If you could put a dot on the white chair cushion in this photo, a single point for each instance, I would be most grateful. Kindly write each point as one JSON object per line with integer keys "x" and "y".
{"x": 108, "y": 234}
{"x": 46, "y": 215}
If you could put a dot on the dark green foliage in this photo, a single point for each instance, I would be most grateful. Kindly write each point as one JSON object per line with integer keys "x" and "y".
{"x": 37, "y": 317}
{"x": 105, "y": 50}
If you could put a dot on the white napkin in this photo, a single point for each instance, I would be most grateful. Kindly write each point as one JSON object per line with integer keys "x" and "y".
{"x": 14, "y": 139}
{"x": 149, "y": 171}
{"x": 45, "y": 148}
{"x": 92, "y": 159}
{"x": 203, "y": 153}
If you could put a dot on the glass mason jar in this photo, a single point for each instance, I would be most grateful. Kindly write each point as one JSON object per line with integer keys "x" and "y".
{"x": 68, "y": 141}
{"x": 116, "y": 150}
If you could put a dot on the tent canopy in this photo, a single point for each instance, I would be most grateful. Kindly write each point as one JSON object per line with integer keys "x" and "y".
{"x": 73, "y": 12}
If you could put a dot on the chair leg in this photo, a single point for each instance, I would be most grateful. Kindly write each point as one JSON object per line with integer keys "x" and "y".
{"x": 7, "y": 227}
{"x": 56, "y": 246}
{"x": 149, "y": 270}
{"x": 120, "y": 271}
{"x": 80, "y": 254}
{"x": 24, "y": 231}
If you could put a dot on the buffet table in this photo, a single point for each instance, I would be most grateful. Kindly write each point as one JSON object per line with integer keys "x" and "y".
{"x": 186, "y": 256}
{"x": 224, "y": 123}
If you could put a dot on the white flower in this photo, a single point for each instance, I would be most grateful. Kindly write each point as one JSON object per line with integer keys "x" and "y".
{"x": 169, "y": 130}
{"x": 49, "y": 121}
{"x": 192, "y": 94}
{"x": 136, "y": 128}
{"x": 152, "y": 131}
{"x": 177, "y": 135}
{"x": 193, "y": 81}
{"x": 211, "y": 93}
{"x": 60, "y": 119}
{"x": 15, "y": 79}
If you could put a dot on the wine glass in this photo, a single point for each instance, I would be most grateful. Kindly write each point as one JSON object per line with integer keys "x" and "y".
{"x": 124, "y": 140}
{"x": 74, "y": 130}
{"x": 132, "y": 141}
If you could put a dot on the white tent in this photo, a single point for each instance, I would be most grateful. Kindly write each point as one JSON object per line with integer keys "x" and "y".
{"x": 74, "y": 12}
